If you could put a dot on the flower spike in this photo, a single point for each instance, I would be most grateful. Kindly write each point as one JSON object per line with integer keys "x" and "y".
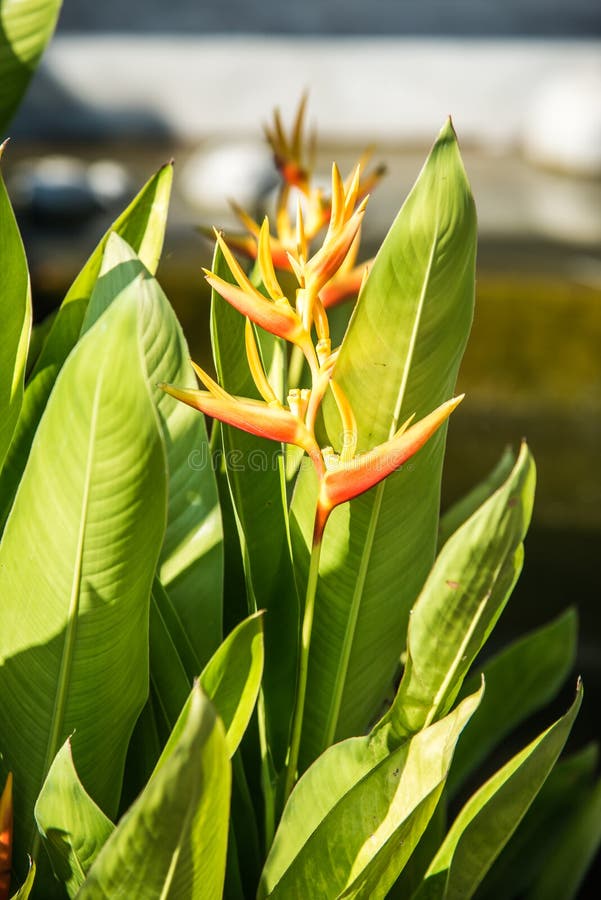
{"x": 253, "y": 416}
{"x": 352, "y": 478}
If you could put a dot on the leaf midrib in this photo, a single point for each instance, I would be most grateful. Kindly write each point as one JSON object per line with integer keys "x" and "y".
{"x": 72, "y": 615}
{"x": 349, "y": 635}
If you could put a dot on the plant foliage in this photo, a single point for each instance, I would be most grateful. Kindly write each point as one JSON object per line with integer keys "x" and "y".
{"x": 314, "y": 751}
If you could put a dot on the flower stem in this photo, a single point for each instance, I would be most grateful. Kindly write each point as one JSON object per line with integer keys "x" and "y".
{"x": 303, "y": 668}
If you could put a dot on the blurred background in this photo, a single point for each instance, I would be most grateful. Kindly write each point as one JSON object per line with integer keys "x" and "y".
{"x": 124, "y": 87}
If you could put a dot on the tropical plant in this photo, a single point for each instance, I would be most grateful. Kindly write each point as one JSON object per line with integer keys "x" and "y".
{"x": 316, "y": 751}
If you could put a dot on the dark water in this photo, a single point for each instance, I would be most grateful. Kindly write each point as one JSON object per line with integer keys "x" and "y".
{"x": 482, "y": 18}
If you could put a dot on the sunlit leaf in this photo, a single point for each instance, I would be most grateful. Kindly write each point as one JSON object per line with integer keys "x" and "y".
{"x": 191, "y": 563}
{"x": 400, "y": 356}
{"x": 462, "y": 599}
{"x": 26, "y": 26}
{"x": 172, "y": 842}
{"x": 76, "y": 565}
{"x": 356, "y": 815}
{"x": 15, "y": 315}
{"x": 142, "y": 224}
{"x": 520, "y": 679}
{"x": 72, "y": 826}
{"x": 492, "y": 814}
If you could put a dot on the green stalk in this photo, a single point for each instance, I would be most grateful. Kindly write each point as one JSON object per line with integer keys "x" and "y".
{"x": 303, "y": 668}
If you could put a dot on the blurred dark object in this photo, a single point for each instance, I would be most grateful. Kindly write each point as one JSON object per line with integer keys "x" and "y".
{"x": 580, "y": 18}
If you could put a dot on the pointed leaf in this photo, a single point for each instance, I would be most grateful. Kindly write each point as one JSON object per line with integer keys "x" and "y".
{"x": 191, "y": 564}
{"x": 543, "y": 829}
{"x": 462, "y": 599}
{"x": 356, "y": 815}
{"x": 172, "y": 842}
{"x": 400, "y": 356}
{"x": 142, "y": 224}
{"x": 492, "y": 814}
{"x": 520, "y": 680}
{"x": 72, "y": 826}
{"x": 26, "y": 26}
{"x": 15, "y": 315}
{"x": 256, "y": 479}
{"x": 232, "y": 678}
{"x": 76, "y": 564}
{"x": 25, "y": 889}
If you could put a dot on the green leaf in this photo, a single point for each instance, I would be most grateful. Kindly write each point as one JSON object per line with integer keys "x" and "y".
{"x": 255, "y": 473}
{"x": 520, "y": 679}
{"x": 492, "y": 814}
{"x": 574, "y": 853}
{"x": 356, "y": 815}
{"x": 232, "y": 678}
{"x": 25, "y": 889}
{"x": 143, "y": 226}
{"x": 191, "y": 563}
{"x": 172, "y": 842}
{"x": 76, "y": 565}
{"x": 400, "y": 356}
{"x": 543, "y": 829}
{"x": 72, "y": 826}
{"x": 462, "y": 599}
{"x": 26, "y": 26}
{"x": 15, "y": 314}
{"x": 461, "y": 511}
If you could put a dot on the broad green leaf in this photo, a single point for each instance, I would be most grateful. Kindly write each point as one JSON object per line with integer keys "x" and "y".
{"x": 400, "y": 356}
{"x": 72, "y": 826}
{"x": 580, "y": 841}
{"x": 26, "y": 26}
{"x": 543, "y": 829}
{"x": 76, "y": 565}
{"x": 255, "y": 473}
{"x": 492, "y": 814}
{"x": 520, "y": 679}
{"x": 191, "y": 563}
{"x": 356, "y": 815}
{"x": 232, "y": 678}
{"x": 172, "y": 842}
{"x": 25, "y": 889}
{"x": 15, "y": 315}
{"x": 467, "y": 506}
{"x": 143, "y": 226}
{"x": 462, "y": 599}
